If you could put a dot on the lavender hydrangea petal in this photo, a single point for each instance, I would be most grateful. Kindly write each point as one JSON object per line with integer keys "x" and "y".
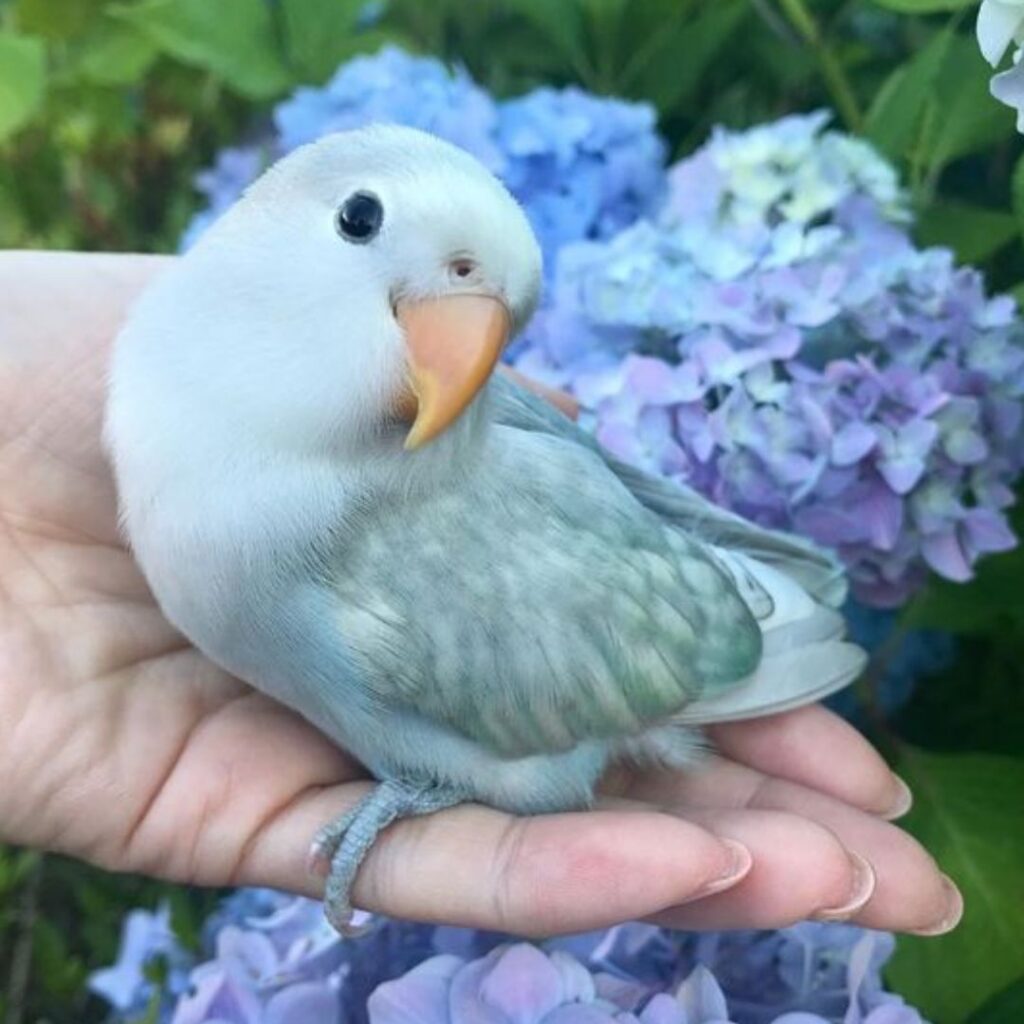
{"x": 217, "y": 994}
{"x": 419, "y": 997}
{"x": 894, "y": 1011}
{"x": 523, "y": 984}
{"x": 304, "y": 1002}
{"x": 946, "y": 555}
{"x": 664, "y": 1009}
{"x": 987, "y": 530}
{"x": 701, "y": 997}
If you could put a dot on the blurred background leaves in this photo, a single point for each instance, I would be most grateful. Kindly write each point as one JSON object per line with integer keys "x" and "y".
{"x": 108, "y": 108}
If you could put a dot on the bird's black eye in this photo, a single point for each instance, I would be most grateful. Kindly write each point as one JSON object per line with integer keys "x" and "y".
{"x": 359, "y": 218}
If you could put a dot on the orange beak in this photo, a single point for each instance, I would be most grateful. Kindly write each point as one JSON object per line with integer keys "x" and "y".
{"x": 453, "y": 344}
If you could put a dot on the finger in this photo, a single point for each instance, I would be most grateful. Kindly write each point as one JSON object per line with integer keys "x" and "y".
{"x": 475, "y": 866}
{"x": 816, "y": 748}
{"x": 559, "y": 399}
{"x": 801, "y": 870}
{"x": 910, "y": 894}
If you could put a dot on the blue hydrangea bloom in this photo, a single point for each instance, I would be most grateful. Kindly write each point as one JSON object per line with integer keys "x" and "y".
{"x": 393, "y": 86}
{"x": 147, "y": 939}
{"x": 582, "y": 166}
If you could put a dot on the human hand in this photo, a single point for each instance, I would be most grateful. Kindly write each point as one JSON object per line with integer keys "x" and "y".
{"x": 121, "y": 744}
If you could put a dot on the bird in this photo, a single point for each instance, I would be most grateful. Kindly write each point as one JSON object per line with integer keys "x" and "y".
{"x": 336, "y": 496}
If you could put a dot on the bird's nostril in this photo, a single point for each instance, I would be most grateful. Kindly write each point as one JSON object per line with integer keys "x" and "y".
{"x": 462, "y": 268}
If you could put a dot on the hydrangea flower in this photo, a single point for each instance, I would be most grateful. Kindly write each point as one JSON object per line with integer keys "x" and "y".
{"x": 393, "y": 86}
{"x": 222, "y": 184}
{"x": 524, "y": 984}
{"x": 581, "y": 165}
{"x": 273, "y": 960}
{"x": 147, "y": 941}
{"x": 777, "y": 341}
{"x": 1000, "y": 23}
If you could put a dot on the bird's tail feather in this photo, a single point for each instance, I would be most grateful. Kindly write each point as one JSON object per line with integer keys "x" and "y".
{"x": 804, "y": 655}
{"x": 782, "y": 682}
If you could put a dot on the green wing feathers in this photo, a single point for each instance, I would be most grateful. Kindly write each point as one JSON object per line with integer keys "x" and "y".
{"x": 537, "y": 605}
{"x": 815, "y": 569}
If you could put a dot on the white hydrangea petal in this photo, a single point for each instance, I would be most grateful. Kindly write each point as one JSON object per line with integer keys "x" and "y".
{"x": 998, "y": 22}
{"x": 1008, "y": 88}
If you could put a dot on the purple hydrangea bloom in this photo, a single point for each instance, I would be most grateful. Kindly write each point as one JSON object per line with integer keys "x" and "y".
{"x": 773, "y": 338}
{"x": 273, "y": 960}
{"x": 523, "y": 984}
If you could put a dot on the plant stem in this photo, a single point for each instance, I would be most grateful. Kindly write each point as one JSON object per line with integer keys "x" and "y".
{"x": 21, "y": 958}
{"x": 832, "y": 71}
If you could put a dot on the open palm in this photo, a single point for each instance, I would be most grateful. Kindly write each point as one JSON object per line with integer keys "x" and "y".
{"x": 121, "y": 744}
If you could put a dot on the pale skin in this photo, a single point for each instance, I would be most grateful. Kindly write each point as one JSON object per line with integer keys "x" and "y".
{"x": 120, "y": 744}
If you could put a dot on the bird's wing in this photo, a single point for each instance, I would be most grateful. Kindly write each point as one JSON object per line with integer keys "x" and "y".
{"x": 815, "y": 570}
{"x": 535, "y": 603}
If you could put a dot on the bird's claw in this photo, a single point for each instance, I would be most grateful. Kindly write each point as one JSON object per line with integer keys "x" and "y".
{"x": 340, "y": 847}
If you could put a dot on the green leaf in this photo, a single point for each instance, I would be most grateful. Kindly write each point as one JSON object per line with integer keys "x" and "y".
{"x": 973, "y": 232}
{"x": 968, "y": 812}
{"x": 320, "y": 34}
{"x": 56, "y": 19}
{"x": 1006, "y": 1007}
{"x": 560, "y": 23}
{"x": 990, "y": 670}
{"x": 604, "y": 23}
{"x": 969, "y": 119}
{"x": 1017, "y": 193}
{"x": 900, "y": 103}
{"x": 22, "y": 80}
{"x": 924, "y": 6}
{"x": 655, "y": 72}
{"x": 234, "y": 39}
{"x": 115, "y": 53}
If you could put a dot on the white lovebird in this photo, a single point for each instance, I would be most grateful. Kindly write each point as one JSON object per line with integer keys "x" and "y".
{"x": 332, "y": 496}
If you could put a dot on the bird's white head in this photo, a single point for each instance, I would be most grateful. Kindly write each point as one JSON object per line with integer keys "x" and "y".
{"x": 364, "y": 286}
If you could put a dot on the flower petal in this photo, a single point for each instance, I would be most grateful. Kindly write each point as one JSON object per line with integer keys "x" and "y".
{"x": 306, "y": 1001}
{"x": 944, "y": 553}
{"x": 998, "y": 22}
{"x": 701, "y": 997}
{"x": 523, "y": 984}
{"x": 419, "y": 997}
{"x": 1008, "y": 88}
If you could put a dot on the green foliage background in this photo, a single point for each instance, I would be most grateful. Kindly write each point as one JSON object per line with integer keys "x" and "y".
{"x": 109, "y": 107}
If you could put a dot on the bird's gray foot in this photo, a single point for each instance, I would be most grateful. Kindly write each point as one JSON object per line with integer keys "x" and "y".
{"x": 344, "y": 843}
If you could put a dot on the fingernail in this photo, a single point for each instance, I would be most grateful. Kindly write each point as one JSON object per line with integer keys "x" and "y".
{"x": 318, "y": 860}
{"x": 740, "y": 863}
{"x": 860, "y": 892}
{"x": 902, "y": 802}
{"x": 954, "y": 911}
